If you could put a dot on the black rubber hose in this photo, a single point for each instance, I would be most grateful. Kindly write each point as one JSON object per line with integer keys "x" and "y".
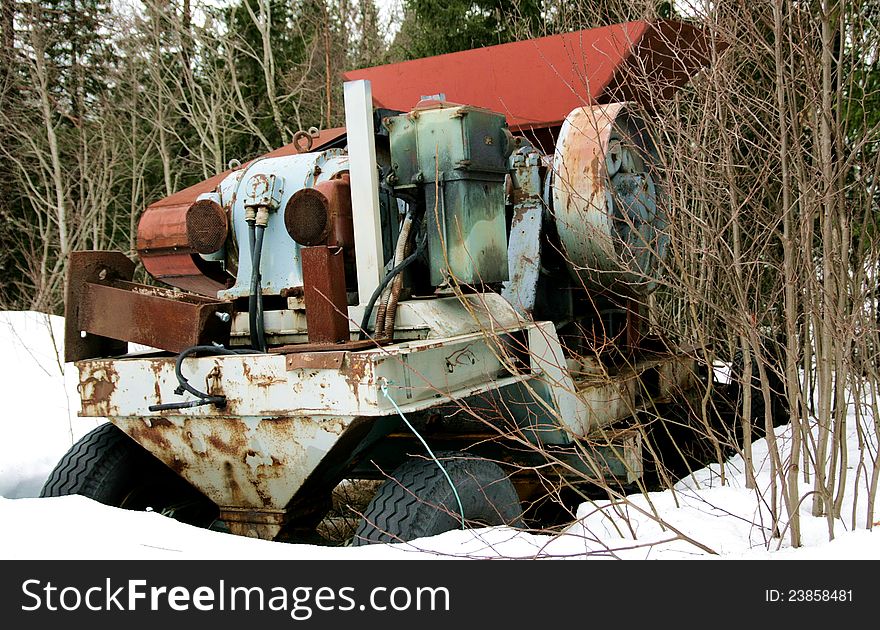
{"x": 255, "y": 299}
{"x": 388, "y": 278}
{"x": 252, "y": 298}
{"x": 184, "y": 405}
{"x": 261, "y": 322}
{"x": 203, "y": 398}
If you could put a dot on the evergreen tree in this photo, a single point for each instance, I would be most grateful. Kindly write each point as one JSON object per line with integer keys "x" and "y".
{"x": 435, "y": 27}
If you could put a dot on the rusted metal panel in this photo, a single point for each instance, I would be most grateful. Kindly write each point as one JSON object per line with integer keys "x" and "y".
{"x": 84, "y": 268}
{"x": 636, "y": 323}
{"x": 453, "y": 316}
{"x": 536, "y": 83}
{"x": 324, "y": 294}
{"x": 249, "y": 466}
{"x": 282, "y": 420}
{"x": 677, "y": 375}
{"x": 524, "y": 258}
{"x": 246, "y": 521}
{"x": 254, "y": 385}
{"x": 608, "y": 400}
{"x": 416, "y": 319}
{"x": 419, "y": 374}
{"x": 315, "y": 360}
{"x": 151, "y": 316}
{"x": 322, "y": 348}
{"x": 163, "y": 247}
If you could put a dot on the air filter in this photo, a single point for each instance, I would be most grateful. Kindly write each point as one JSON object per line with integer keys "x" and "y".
{"x": 206, "y": 226}
{"x": 307, "y": 217}
{"x": 321, "y": 215}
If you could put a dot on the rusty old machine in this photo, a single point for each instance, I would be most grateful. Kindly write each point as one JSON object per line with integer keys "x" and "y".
{"x": 448, "y": 294}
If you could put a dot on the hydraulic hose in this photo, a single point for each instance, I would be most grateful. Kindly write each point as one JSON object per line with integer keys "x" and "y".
{"x": 399, "y": 255}
{"x": 184, "y": 386}
{"x": 255, "y": 302}
{"x": 391, "y": 305}
{"x": 387, "y": 279}
{"x": 252, "y": 298}
{"x": 261, "y": 322}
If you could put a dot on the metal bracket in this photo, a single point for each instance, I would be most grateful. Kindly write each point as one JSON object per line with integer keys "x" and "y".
{"x": 264, "y": 191}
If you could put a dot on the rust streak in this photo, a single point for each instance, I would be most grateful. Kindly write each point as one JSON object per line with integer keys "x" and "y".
{"x": 227, "y": 449}
{"x": 101, "y": 390}
{"x": 596, "y": 181}
{"x": 354, "y": 370}
{"x": 98, "y": 388}
{"x": 260, "y": 380}
{"x": 151, "y": 435}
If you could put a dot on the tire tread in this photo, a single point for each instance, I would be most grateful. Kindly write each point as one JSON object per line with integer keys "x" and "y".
{"x": 416, "y": 500}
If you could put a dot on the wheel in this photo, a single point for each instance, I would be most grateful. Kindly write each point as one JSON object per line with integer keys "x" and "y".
{"x": 108, "y": 466}
{"x": 418, "y": 501}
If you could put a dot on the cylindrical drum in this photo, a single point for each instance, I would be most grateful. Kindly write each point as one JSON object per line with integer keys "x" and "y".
{"x": 607, "y": 200}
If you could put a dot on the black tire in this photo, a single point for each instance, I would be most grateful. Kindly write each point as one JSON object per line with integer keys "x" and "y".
{"x": 417, "y": 500}
{"x": 108, "y": 466}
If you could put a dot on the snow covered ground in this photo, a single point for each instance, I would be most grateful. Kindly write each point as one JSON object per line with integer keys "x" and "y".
{"x": 702, "y": 519}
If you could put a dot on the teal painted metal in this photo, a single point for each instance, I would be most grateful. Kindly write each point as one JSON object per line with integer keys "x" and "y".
{"x": 524, "y": 241}
{"x": 455, "y": 158}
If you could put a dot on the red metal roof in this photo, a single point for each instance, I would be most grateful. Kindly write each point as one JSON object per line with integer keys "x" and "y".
{"x": 536, "y": 83}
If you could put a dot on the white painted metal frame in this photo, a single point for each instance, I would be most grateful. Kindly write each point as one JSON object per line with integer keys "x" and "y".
{"x": 364, "y": 176}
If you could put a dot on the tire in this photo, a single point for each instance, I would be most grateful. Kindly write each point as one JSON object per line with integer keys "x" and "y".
{"x": 108, "y": 466}
{"x": 417, "y": 500}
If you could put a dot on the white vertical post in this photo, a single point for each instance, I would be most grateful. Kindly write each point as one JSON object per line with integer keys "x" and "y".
{"x": 364, "y": 177}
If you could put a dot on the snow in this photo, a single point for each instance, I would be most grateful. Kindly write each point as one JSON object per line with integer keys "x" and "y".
{"x": 39, "y": 420}
{"x": 701, "y": 518}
